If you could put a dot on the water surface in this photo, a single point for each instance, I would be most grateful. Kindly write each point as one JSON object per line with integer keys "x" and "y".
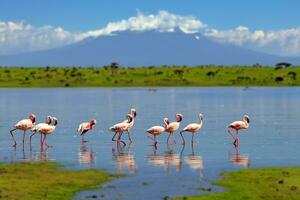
{"x": 170, "y": 170}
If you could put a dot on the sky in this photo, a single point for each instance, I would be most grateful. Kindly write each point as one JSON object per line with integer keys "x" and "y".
{"x": 267, "y": 26}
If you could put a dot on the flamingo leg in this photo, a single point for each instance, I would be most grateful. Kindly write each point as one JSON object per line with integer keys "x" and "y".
{"x": 30, "y": 143}
{"x": 193, "y": 138}
{"x": 149, "y": 136}
{"x": 193, "y": 148}
{"x": 44, "y": 139}
{"x": 122, "y": 142}
{"x": 229, "y": 131}
{"x": 31, "y": 137}
{"x": 82, "y": 139}
{"x": 24, "y": 138}
{"x": 41, "y": 141}
{"x": 183, "y": 141}
{"x": 119, "y": 139}
{"x": 168, "y": 138}
{"x": 46, "y": 142}
{"x": 155, "y": 141}
{"x": 113, "y": 138}
{"x": 129, "y": 136}
{"x": 174, "y": 139}
{"x": 12, "y": 135}
{"x": 120, "y": 135}
{"x": 236, "y": 141}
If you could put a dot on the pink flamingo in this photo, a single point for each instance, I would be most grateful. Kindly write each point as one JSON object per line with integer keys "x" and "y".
{"x": 173, "y": 126}
{"x": 45, "y": 129}
{"x": 120, "y": 128}
{"x": 35, "y": 128}
{"x": 85, "y": 127}
{"x": 130, "y": 125}
{"x": 192, "y": 128}
{"x": 23, "y": 125}
{"x": 238, "y": 125}
{"x": 157, "y": 130}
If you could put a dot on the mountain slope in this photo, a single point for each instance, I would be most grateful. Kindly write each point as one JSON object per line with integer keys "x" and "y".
{"x": 144, "y": 49}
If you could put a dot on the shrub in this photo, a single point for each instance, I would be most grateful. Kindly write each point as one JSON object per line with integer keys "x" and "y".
{"x": 292, "y": 75}
{"x": 178, "y": 72}
{"x": 279, "y": 79}
{"x": 47, "y": 68}
{"x": 158, "y": 73}
{"x": 210, "y": 73}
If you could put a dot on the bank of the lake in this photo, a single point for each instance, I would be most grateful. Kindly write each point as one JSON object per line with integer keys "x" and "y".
{"x": 282, "y": 183}
{"x": 47, "y": 180}
{"x": 115, "y": 76}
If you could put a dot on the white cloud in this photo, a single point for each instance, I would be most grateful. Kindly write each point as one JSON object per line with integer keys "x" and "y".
{"x": 163, "y": 21}
{"x": 284, "y": 42}
{"x": 21, "y": 37}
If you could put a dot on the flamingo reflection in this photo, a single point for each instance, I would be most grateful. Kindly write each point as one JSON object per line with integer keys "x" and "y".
{"x": 194, "y": 161}
{"x": 239, "y": 159}
{"x": 41, "y": 155}
{"x": 168, "y": 160}
{"x": 85, "y": 156}
{"x": 124, "y": 159}
{"x": 171, "y": 159}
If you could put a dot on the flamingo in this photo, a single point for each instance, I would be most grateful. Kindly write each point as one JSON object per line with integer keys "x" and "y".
{"x": 120, "y": 128}
{"x": 85, "y": 127}
{"x": 45, "y": 129}
{"x": 173, "y": 126}
{"x": 130, "y": 125}
{"x": 157, "y": 130}
{"x": 23, "y": 125}
{"x": 35, "y": 128}
{"x": 238, "y": 125}
{"x": 192, "y": 128}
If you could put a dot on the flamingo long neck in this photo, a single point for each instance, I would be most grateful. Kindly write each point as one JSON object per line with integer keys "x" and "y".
{"x": 201, "y": 121}
{"x": 132, "y": 121}
{"x": 166, "y": 124}
{"x": 92, "y": 124}
{"x": 246, "y": 123}
{"x": 32, "y": 120}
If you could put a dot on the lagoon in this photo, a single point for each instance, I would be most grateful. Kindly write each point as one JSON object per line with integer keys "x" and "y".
{"x": 272, "y": 139}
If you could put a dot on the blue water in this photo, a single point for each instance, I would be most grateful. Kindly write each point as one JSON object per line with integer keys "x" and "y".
{"x": 272, "y": 139}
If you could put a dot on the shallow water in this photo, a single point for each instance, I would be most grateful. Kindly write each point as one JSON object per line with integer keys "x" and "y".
{"x": 272, "y": 139}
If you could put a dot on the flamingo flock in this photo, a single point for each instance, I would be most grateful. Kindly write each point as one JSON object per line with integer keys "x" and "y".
{"x": 49, "y": 126}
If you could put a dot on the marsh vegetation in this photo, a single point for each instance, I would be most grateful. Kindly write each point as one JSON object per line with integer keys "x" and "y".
{"x": 116, "y": 76}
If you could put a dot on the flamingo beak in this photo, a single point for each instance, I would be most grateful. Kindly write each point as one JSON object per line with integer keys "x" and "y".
{"x": 248, "y": 120}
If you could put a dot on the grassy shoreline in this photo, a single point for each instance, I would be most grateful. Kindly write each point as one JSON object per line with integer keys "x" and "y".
{"x": 256, "y": 184}
{"x": 47, "y": 180}
{"x": 176, "y": 76}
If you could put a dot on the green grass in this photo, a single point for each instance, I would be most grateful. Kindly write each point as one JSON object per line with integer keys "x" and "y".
{"x": 257, "y": 184}
{"x": 43, "y": 180}
{"x": 148, "y": 76}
